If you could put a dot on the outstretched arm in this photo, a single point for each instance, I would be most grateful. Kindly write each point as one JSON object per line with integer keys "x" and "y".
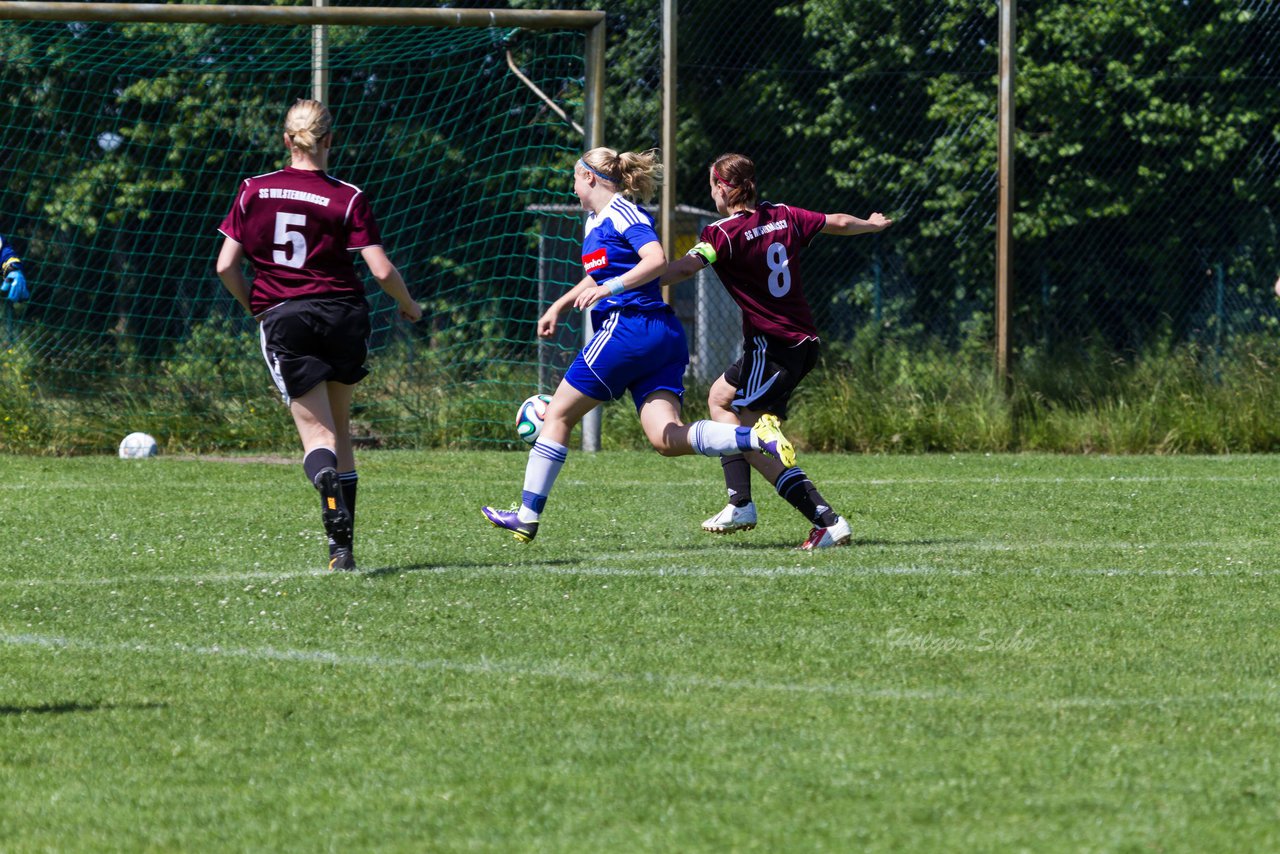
{"x": 682, "y": 268}
{"x": 844, "y": 224}
{"x": 586, "y": 293}
{"x": 8, "y": 258}
{"x": 550, "y": 317}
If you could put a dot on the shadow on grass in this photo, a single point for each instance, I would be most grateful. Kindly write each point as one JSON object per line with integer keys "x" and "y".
{"x": 722, "y": 544}
{"x": 74, "y": 708}
{"x": 429, "y": 567}
{"x": 792, "y": 545}
{"x": 897, "y": 544}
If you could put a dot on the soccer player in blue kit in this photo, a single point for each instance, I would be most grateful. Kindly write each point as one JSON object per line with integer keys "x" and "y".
{"x": 14, "y": 287}
{"x": 638, "y": 345}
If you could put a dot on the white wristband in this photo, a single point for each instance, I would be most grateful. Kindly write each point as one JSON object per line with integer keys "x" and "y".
{"x": 614, "y": 285}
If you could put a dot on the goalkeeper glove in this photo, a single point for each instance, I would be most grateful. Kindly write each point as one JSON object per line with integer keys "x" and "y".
{"x": 15, "y": 285}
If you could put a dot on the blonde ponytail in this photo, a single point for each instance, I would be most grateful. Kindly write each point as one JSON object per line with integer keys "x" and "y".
{"x": 636, "y": 175}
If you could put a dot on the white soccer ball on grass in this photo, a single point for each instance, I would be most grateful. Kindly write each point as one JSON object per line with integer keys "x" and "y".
{"x": 138, "y": 446}
{"x": 530, "y": 415}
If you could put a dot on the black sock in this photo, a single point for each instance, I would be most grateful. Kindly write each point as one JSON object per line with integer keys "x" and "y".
{"x": 317, "y": 461}
{"x": 737, "y": 478}
{"x": 349, "y": 480}
{"x": 795, "y": 488}
{"x": 826, "y": 516}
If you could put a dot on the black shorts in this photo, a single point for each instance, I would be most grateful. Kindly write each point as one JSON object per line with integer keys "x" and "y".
{"x": 769, "y": 371}
{"x": 310, "y": 341}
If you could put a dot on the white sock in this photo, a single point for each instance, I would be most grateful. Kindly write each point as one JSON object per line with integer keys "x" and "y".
{"x": 713, "y": 439}
{"x": 545, "y": 461}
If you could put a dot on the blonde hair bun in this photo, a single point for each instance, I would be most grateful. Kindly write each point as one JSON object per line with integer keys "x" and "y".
{"x": 306, "y": 122}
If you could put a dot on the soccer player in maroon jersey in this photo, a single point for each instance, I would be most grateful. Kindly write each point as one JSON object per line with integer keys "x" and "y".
{"x": 755, "y": 250}
{"x": 638, "y": 344}
{"x": 298, "y": 227}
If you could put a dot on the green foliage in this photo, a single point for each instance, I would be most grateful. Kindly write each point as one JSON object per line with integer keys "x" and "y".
{"x": 1142, "y": 148}
{"x": 883, "y": 392}
{"x": 25, "y": 425}
{"x": 130, "y": 140}
{"x": 1171, "y": 399}
{"x": 1145, "y": 224}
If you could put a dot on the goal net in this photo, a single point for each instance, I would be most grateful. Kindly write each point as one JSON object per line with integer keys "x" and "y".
{"x": 124, "y": 143}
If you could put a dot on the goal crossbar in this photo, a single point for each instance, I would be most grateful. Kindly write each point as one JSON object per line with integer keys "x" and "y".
{"x": 534, "y": 19}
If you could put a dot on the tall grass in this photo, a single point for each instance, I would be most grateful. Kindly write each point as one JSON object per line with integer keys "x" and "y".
{"x": 1174, "y": 399}
{"x": 872, "y": 395}
{"x": 1181, "y": 398}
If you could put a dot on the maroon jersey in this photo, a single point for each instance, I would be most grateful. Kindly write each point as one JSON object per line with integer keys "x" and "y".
{"x": 298, "y": 228}
{"x": 756, "y": 256}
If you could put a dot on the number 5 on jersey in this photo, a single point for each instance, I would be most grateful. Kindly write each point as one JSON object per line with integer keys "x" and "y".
{"x": 295, "y": 242}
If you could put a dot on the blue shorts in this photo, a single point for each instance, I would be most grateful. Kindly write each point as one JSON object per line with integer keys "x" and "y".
{"x": 637, "y": 351}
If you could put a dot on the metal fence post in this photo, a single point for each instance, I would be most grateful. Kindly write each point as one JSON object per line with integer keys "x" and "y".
{"x": 1004, "y": 207}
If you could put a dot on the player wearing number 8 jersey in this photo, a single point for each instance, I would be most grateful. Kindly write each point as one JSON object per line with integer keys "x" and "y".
{"x": 297, "y": 227}
{"x": 638, "y": 345}
{"x": 755, "y": 250}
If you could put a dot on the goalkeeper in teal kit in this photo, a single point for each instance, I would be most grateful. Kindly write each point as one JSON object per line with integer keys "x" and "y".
{"x": 15, "y": 281}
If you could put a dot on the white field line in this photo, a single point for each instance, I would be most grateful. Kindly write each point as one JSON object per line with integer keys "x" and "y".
{"x": 600, "y": 571}
{"x": 218, "y": 578}
{"x": 480, "y": 667}
{"x": 558, "y": 671}
{"x": 1007, "y": 480}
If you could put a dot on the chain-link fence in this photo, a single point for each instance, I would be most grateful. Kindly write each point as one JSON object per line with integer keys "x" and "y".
{"x": 1145, "y": 169}
{"x": 1145, "y": 184}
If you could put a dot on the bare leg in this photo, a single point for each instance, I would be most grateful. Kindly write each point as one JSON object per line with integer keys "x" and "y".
{"x": 568, "y": 406}
{"x": 313, "y": 416}
{"x": 340, "y": 395}
{"x": 660, "y": 418}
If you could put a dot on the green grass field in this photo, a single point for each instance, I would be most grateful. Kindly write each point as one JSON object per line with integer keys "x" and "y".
{"x": 1017, "y": 653}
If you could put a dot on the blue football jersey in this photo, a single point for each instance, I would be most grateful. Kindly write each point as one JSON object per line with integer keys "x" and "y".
{"x": 611, "y": 247}
{"x": 8, "y": 258}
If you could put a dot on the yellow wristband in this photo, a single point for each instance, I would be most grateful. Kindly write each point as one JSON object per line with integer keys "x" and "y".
{"x": 705, "y": 252}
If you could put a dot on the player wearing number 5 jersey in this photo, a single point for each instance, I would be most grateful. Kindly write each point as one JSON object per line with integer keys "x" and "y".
{"x": 298, "y": 227}
{"x": 755, "y": 250}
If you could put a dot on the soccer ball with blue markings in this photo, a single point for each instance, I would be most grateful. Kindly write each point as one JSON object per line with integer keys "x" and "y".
{"x": 138, "y": 446}
{"x": 530, "y": 415}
